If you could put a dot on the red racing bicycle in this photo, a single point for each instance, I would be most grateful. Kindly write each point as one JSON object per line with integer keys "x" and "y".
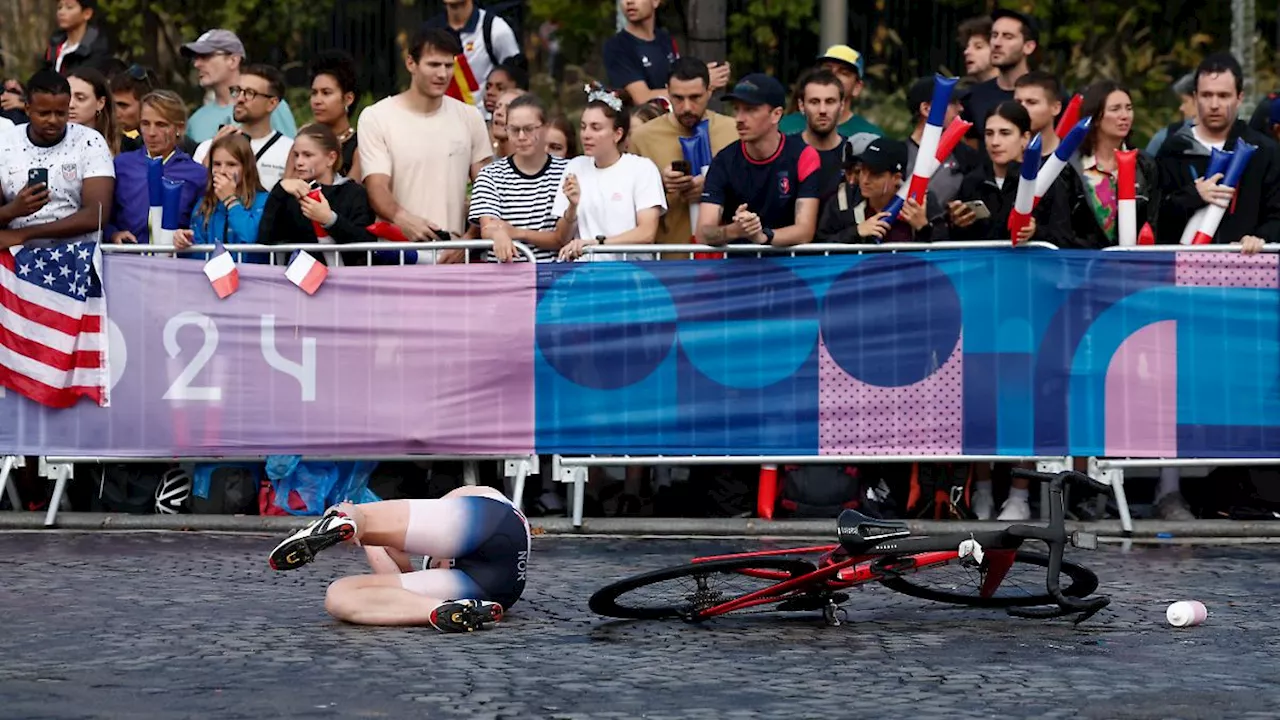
{"x": 980, "y": 569}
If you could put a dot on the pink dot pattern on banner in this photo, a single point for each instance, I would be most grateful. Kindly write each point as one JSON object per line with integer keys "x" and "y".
{"x": 855, "y": 418}
{"x": 1226, "y": 270}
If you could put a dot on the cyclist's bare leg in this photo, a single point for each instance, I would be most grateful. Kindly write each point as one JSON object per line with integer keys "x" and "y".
{"x": 388, "y": 561}
{"x": 379, "y": 600}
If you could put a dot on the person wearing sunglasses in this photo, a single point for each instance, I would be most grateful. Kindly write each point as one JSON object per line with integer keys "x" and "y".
{"x": 218, "y": 56}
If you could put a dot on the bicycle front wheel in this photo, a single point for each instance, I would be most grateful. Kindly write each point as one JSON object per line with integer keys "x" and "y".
{"x": 1023, "y": 585}
{"x": 685, "y": 591}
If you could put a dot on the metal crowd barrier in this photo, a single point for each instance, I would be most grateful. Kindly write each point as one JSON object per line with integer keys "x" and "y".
{"x": 573, "y": 470}
{"x": 278, "y": 254}
{"x": 61, "y": 469}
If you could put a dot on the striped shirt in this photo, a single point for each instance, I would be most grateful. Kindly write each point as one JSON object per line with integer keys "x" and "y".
{"x": 502, "y": 191}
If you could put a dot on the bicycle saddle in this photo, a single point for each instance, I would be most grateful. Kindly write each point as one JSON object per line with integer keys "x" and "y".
{"x": 857, "y": 532}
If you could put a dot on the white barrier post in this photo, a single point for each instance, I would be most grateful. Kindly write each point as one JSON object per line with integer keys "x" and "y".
{"x": 1114, "y": 477}
{"x": 7, "y": 466}
{"x": 61, "y": 474}
{"x": 520, "y": 470}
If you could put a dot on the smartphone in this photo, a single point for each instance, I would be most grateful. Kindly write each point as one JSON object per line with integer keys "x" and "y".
{"x": 979, "y": 209}
{"x": 682, "y": 166}
{"x": 38, "y": 176}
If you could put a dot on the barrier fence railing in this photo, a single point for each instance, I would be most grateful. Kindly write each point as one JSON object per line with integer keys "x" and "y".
{"x": 573, "y": 469}
{"x": 279, "y": 254}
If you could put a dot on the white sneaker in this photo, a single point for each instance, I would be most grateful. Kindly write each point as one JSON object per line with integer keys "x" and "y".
{"x": 983, "y": 503}
{"x": 1015, "y": 509}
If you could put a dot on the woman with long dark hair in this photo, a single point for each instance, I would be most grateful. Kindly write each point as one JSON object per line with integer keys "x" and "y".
{"x": 1091, "y": 187}
{"x": 93, "y": 106}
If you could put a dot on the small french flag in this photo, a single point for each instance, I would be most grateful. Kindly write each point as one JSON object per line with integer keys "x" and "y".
{"x": 222, "y": 273}
{"x": 306, "y": 272}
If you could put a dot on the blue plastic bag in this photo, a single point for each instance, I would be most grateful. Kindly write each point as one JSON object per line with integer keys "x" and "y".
{"x": 320, "y": 484}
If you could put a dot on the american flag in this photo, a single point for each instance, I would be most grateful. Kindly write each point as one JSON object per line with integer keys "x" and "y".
{"x": 53, "y": 338}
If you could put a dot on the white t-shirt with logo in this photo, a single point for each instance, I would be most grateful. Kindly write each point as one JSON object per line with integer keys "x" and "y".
{"x": 83, "y": 153}
{"x": 271, "y": 164}
{"x": 611, "y": 197}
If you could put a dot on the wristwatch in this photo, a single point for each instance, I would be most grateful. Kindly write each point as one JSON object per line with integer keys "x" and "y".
{"x": 768, "y": 235}
{"x": 599, "y": 239}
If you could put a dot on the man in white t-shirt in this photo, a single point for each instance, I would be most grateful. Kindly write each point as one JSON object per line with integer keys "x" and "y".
{"x": 486, "y": 39}
{"x": 56, "y": 179}
{"x": 420, "y": 149}
{"x": 260, "y": 91}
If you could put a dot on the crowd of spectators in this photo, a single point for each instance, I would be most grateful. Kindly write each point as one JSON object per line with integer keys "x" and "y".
{"x": 792, "y": 162}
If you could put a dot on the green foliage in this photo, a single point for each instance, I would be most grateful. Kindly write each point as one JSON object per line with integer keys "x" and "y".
{"x": 154, "y": 32}
{"x": 754, "y": 33}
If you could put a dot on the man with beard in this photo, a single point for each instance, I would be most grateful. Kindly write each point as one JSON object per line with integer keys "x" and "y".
{"x": 689, "y": 89}
{"x": 638, "y": 59}
{"x": 1253, "y": 210}
{"x": 945, "y": 183}
{"x": 218, "y": 56}
{"x": 821, "y": 101}
{"x": 848, "y": 65}
{"x": 260, "y": 92}
{"x": 1014, "y": 38}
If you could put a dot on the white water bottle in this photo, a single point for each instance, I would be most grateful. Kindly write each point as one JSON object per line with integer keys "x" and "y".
{"x": 1186, "y": 613}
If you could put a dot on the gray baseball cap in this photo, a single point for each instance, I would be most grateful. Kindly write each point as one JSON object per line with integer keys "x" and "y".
{"x": 214, "y": 41}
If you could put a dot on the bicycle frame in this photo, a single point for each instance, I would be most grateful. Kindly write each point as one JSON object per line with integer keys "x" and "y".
{"x": 893, "y": 556}
{"x": 913, "y": 554}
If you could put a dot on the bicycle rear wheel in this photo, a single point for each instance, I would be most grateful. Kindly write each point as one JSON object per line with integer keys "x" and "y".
{"x": 1022, "y": 586}
{"x": 685, "y": 591}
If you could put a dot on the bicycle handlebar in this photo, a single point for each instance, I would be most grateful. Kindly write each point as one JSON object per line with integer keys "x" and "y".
{"x": 1055, "y": 535}
{"x": 1060, "y": 478}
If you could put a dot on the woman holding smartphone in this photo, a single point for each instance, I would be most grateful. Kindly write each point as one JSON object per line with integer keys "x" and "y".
{"x": 987, "y": 194}
{"x": 608, "y": 197}
{"x": 341, "y": 209}
{"x": 232, "y": 206}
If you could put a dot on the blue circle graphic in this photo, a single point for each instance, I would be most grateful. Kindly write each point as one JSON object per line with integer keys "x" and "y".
{"x": 746, "y": 323}
{"x": 891, "y": 320}
{"x": 605, "y": 325}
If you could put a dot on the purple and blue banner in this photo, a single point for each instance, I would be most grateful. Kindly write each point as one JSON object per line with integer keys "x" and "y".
{"x": 1007, "y": 352}
{"x": 380, "y": 361}
{"x": 941, "y": 353}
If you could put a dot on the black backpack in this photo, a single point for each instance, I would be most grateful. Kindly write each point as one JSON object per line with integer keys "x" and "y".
{"x": 818, "y": 491}
{"x": 128, "y": 488}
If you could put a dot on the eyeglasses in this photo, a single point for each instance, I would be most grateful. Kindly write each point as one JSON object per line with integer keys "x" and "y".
{"x": 137, "y": 72}
{"x": 249, "y": 93}
{"x": 522, "y": 130}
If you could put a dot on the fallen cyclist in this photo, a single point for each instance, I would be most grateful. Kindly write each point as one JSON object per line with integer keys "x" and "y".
{"x": 476, "y": 545}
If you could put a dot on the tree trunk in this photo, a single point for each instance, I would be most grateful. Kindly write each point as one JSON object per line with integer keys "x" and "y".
{"x": 706, "y": 31}
{"x": 24, "y": 31}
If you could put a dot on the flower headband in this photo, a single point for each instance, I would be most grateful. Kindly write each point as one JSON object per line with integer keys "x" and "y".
{"x": 597, "y": 92}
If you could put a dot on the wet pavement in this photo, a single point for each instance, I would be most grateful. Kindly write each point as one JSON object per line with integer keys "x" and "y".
{"x": 172, "y": 625}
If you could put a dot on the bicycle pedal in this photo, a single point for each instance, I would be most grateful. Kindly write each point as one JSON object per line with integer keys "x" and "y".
{"x": 1084, "y": 540}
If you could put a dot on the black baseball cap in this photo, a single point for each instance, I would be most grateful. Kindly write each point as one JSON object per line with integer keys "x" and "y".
{"x": 885, "y": 155}
{"x": 759, "y": 89}
{"x": 921, "y": 91}
{"x": 1030, "y": 26}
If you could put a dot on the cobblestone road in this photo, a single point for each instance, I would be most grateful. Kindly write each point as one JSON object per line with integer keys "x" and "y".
{"x": 174, "y": 625}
